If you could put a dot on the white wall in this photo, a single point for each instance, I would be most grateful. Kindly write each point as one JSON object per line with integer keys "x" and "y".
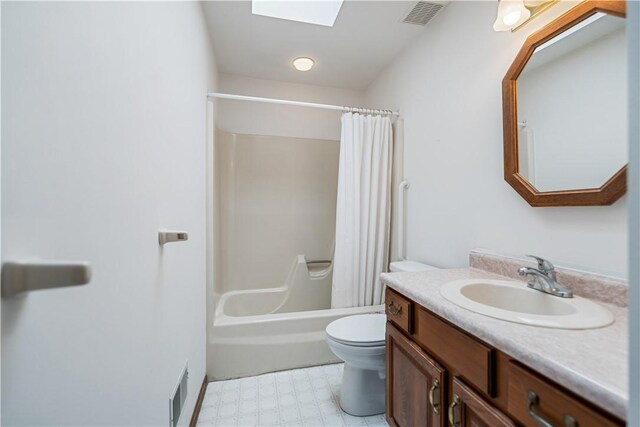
{"x": 447, "y": 86}
{"x": 0, "y": 211}
{"x": 280, "y": 120}
{"x": 572, "y": 148}
{"x": 104, "y": 144}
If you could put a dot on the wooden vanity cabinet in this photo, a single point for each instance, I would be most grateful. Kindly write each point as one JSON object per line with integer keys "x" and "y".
{"x": 438, "y": 375}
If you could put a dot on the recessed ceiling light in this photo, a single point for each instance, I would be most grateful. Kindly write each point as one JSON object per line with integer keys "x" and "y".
{"x": 311, "y": 12}
{"x": 303, "y": 63}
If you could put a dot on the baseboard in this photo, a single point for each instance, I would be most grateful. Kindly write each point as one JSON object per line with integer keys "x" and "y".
{"x": 196, "y": 409}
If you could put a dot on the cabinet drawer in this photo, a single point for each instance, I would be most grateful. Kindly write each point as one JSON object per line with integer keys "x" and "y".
{"x": 469, "y": 409}
{"x": 531, "y": 396}
{"x": 469, "y": 358}
{"x": 399, "y": 310}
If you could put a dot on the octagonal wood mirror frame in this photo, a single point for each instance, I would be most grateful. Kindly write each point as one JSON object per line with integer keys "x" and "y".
{"x": 611, "y": 190}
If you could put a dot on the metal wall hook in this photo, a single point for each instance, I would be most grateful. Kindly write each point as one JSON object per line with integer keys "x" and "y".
{"x": 166, "y": 236}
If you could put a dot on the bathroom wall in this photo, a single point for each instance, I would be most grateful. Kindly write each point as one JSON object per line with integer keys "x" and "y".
{"x": 0, "y": 213}
{"x": 276, "y": 200}
{"x": 103, "y": 144}
{"x": 447, "y": 86}
{"x": 280, "y": 120}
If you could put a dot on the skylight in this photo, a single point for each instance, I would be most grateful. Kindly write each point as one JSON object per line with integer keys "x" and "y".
{"x": 322, "y": 12}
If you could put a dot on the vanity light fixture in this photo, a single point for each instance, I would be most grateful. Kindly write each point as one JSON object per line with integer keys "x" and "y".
{"x": 303, "y": 63}
{"x": 513, "y": 14}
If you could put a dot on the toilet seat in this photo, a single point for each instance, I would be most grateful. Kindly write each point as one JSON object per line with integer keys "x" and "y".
{"x": 364, "y": 330}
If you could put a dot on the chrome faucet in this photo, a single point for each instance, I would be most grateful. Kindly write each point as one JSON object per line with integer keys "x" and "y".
{"x": 544, "y": 278}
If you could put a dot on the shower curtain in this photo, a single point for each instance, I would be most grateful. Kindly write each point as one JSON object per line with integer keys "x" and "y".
{"x": 362, "y": 211}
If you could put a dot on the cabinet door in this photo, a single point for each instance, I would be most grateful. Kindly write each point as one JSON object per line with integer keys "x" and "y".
{"x": 415, "y": 384}
{"x": 468, "y": 409}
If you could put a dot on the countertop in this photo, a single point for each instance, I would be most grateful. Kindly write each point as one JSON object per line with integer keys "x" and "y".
{"x": 591, "y": 363}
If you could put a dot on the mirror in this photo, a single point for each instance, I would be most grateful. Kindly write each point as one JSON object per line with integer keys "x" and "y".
{"x": 572, "y": 107}
{"x": 566, "y": 110}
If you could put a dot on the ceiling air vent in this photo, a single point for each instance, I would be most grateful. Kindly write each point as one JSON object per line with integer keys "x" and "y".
{"x": 422, "y": 12}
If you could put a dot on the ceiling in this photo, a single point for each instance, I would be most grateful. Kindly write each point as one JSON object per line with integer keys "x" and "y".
{"x": 367, "y": 35}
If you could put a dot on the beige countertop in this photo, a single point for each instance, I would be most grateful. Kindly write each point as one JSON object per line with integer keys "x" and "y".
{"x": 591, "y": 363}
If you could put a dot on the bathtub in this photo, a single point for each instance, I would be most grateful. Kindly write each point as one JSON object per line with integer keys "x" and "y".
{"x": 241, "y": 346}
{"x": 265, "y": 330}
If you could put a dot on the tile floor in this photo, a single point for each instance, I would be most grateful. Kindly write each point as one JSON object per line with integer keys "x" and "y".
{"x": 300, "y": 397}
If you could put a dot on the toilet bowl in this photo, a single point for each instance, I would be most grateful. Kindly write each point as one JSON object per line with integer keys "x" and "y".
{"x": 360, "y": 342}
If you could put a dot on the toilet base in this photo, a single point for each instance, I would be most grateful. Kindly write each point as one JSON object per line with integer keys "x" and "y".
{"x": 362, "y": 391}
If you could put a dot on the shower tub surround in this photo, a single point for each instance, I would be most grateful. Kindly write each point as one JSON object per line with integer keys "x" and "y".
{"x": 276, "y": 239}
{"x": 591, "y": 363}
{"x": 276, "y": 206}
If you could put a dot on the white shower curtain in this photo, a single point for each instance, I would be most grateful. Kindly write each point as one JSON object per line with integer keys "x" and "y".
{"x": 362, "y": 211}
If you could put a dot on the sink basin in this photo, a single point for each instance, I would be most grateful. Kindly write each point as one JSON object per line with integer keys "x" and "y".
{"x": 515, "y": 302}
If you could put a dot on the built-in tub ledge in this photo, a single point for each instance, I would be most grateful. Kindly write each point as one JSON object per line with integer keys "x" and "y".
{"x": 317, "y": 268}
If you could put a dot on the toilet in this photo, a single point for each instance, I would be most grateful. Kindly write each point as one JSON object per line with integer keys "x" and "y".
{"x": 408, "y": 266}
{"x": 360, "y": 342}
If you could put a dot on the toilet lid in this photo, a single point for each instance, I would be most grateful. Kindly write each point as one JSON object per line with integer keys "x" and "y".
{"x": 360, "y": 330}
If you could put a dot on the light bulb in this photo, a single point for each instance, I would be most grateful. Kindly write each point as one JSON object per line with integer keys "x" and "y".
{"x": 511, "y": 17}
{"x": 511, "y": 13}
{"x": 303, "y": 63}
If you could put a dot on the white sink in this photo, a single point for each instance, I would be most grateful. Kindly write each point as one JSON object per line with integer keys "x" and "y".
{"x": 515, "y": 302}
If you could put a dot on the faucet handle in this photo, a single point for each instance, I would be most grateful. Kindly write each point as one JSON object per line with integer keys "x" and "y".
{"x": 543, "y": 264}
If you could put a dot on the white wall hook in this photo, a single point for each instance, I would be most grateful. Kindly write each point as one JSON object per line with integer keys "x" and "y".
{"x": 23, "y": 276}
{"x": 172, "y": 236}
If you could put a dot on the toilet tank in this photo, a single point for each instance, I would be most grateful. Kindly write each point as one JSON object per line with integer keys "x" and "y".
{"x": 406, "y": 266}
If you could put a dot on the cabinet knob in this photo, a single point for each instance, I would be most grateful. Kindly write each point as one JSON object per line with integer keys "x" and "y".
{"x": 393, "y": 309}
{"x": 569, "y": 421}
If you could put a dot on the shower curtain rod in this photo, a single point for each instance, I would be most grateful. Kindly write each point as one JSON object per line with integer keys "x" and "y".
{"x": 301, "y": 104}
